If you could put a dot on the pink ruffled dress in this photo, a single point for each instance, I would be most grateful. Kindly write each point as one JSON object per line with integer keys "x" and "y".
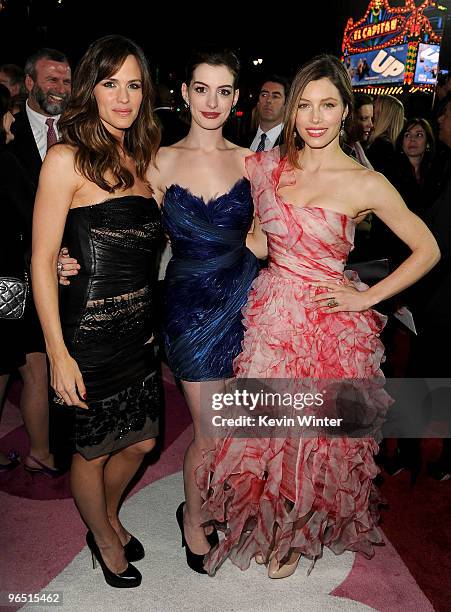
{"x": 246, "y": 482}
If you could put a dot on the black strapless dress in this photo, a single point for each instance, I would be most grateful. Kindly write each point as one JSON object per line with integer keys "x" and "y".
{"x": 107, "y": 319}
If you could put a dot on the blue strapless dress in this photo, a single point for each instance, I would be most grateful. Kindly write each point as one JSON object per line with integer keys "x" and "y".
{"x": 207, "y": 280}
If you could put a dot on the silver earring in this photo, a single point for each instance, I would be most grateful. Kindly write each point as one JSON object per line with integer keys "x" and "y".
{"x": 187, "y": 104}
{"x": 342, "y": 127}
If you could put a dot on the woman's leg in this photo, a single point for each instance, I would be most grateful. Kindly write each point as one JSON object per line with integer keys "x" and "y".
{"x": 88, "y": 489}
{"x": 119, "y": 470}
{"x": 34, "y": 406}
{"x": 194, "y": 532}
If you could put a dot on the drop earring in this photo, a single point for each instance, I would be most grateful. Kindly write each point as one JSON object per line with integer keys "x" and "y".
{"x": 342, "y": 127}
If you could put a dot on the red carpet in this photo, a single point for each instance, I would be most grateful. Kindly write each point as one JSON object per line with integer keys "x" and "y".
{"x": 416, "y": 522}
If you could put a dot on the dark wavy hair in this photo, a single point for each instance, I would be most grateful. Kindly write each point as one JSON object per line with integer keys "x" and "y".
{"x": 429, "y": 152}
{"x": 321, "y": 66}
{"x": 213, "y": 57}
{"x": 430, "y": 139}
{"x": 80, "y": 125}
{"x": 5, "y": 104}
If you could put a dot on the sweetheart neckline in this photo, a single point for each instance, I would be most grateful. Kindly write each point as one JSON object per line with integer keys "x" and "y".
{"x": 200, "y": 198}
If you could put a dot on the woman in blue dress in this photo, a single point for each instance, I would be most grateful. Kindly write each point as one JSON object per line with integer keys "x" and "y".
{"x": 201, "y": 185}
{"x": 207, "y": 213}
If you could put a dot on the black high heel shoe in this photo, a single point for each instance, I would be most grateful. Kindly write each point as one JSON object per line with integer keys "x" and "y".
{"x": 134, "y": 550}
{"x": 195, "y": 562}
{"x": 128, "y": 579}
{"x": 212, "y": 538}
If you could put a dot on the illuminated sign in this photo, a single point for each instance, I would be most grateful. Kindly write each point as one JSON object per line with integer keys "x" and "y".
{"x": 394, "y": 44}
{"x": 383, "y": 66}
{"x": 377, "y": 29}
{"x": 427, "y": 64}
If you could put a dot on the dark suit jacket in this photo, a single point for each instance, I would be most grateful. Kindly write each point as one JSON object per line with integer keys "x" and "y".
{"x": 247, "y": 138}
{"x": 24, "y": 147}
{"x": 16, "y": 199}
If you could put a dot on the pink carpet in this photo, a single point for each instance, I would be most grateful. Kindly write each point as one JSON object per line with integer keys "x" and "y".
{"x": 41, "y": 533}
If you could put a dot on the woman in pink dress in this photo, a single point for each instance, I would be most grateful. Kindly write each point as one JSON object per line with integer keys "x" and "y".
{"x": 281, "y": 498}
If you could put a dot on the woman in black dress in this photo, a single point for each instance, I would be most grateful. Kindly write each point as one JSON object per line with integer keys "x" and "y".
{"x": 93, "y": 188}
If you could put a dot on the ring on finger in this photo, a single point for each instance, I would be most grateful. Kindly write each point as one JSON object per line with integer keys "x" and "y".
{"x": 332, "y": 303}
{"x": 59, "y": 400}
{"x": 59, "y": 267}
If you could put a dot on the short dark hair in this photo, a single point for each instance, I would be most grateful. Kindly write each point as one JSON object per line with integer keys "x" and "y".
{"x": 280, "y": 80}
{"x": 362, "y": 99}
{"x": 223, "y": 57}
{"x": 5, "y": 104}
{"x": 15, "y": 74}
{"x": 45, "y": 53}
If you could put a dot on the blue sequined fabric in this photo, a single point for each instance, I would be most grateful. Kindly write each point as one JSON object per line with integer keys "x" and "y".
{"x": 207, "y": 280}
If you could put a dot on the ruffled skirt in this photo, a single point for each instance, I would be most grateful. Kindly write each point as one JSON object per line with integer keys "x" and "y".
{"x": 260, "y": 490}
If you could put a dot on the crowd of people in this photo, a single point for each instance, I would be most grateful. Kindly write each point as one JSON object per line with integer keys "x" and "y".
{"x": 256, "y": 288}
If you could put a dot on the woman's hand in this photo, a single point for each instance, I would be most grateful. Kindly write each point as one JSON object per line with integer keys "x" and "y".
{"x": 67, "y": 266}
{"x": 67, "y": 381}
{"x": 341, "y": 298}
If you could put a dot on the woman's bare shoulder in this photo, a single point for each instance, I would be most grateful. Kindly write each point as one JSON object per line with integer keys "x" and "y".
{"x": 60, "y": 162}
{"x": 61, "y": 153}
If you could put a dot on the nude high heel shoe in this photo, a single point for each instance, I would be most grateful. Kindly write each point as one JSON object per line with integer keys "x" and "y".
{"x": 276, "y": 570}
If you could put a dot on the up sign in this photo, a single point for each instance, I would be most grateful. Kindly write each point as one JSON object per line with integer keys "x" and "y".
{"x": 387, "y": 65}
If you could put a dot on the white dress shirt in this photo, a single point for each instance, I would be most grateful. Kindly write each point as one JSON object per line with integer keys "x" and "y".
{"x": 271, "y": 137}
{"x": 40, "y": 129}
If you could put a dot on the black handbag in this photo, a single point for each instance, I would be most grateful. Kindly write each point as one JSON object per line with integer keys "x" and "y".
{"x": 372, "y": 271}
{"x": 13, "y": 295}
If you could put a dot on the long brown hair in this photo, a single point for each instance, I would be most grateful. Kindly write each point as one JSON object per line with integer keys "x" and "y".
{"x": 321, "y": 66}
{"x": 80, "y": 125}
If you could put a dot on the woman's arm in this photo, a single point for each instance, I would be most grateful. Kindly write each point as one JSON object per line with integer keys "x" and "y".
{"x": 58, "y": 183}
{"x": 256, "y": 240}
{"x": 388, "y": 205}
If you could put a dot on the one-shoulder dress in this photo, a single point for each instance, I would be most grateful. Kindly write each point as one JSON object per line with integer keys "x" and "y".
{"x": 107, "y": 320}
{"x": 260, "y": 487}
{"x": 207, "y": 280}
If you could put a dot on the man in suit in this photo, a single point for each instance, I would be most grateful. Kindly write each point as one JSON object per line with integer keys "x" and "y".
{"x": 270, "y": 111}
{"x": 48, "y": 82}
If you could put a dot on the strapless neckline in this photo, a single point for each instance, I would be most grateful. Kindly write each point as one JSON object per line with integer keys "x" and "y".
{"x": 200, "y": 198}
{"x": 331, "y": 210}
{"x": 109, "y": 200}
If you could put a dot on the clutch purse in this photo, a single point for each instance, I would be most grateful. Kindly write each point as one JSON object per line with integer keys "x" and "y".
{"x": 372, "y": 271}
{"x": 13, "y": 295}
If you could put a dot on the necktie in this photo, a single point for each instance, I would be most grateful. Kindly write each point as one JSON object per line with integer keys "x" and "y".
{"x": 261, "y": 144}
{"x": 52, "y": 138}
